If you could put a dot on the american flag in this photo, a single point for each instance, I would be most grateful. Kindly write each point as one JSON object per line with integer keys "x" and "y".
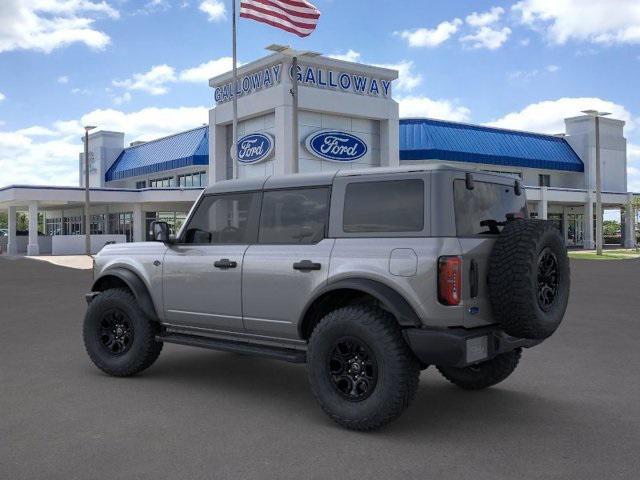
{"x": 294, "y": 16}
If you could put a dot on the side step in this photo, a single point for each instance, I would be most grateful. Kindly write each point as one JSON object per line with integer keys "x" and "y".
{"x": 276, "y": 353}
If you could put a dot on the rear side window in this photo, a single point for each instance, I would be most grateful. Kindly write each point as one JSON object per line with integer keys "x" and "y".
{"x": 297, "y": 216}
{"x": 483, "y": 210}
{"x": 224, "y": 219}
{"x": 385, "y": 206}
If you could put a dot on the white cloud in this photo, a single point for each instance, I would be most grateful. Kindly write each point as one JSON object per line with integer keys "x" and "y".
{"x": 157, "y": 80}
{"x": 548, "y": 116}
{"x": 349, "y": 56}
{"x": 2, "y": 96}
{"x": 526, "y": 75}
{"x": 420, "y": 106}
{"x": 486, "y": 18}
{"x": 424, "y": 37}
{"x": 63, "y": 79}
{"x": 487, "y": 37}
{"x": 596, "y": 21}
{"x": 203, "y": 72}
{"x": 154, "y": 81}
{"x": 525, "y": 42}
{"x": 48, "y": 155}
{"x": 407, "y": 78}
{"x": 120, "y": 99}
{"x": 215, "y": 10}
{"x": 45, "y": 25}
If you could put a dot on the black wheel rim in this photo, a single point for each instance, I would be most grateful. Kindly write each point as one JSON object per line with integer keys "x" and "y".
{"x": 547, "y": 279}
{"x": 353, "y": 370}
{"x": 115, "y": 332}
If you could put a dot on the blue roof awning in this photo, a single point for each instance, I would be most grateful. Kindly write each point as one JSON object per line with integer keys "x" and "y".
{"x": 427, "y": 139}
{"x": 176, "y": 151}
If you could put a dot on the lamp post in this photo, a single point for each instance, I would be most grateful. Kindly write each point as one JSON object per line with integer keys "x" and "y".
{"x": 87, "y": 217}
{"x": 294, "y": 55}
{"x": 596, "y": 115}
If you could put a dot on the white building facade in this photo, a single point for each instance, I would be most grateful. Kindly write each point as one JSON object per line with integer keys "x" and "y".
{"x": 347, "y": 118}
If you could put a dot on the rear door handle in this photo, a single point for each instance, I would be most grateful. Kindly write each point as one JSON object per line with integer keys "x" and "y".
{"x": 225, "y": 263}
{"x": 306, "y": 265}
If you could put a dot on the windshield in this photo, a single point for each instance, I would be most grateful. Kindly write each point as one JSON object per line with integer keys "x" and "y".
{"x": 484, "y": 210}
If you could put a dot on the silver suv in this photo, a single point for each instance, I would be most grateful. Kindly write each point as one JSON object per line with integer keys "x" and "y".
{"x": 367, "y": 276}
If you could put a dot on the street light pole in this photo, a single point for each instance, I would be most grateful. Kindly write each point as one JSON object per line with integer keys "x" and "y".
{"x": 87, "y": 217}
{"x": 596, "y": 114}
{"x": 295, "y": 55}
{"x": 598, "y": 191}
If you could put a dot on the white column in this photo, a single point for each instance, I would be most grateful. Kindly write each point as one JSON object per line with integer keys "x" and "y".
{"x": 390, "y": 139}
{"x": 629, "y": 224}
{"x": 542, "y": 212}
{"x": 12, "y": 245}
{"x": 138, "y": 223}
{"x": 589, "y": 241}
{"x": 33, "y": 248}
{"x": 284, "y": 162}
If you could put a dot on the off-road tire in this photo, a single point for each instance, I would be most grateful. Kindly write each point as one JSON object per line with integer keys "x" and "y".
{"x": 398, "y": 370}
{"x": 514, "y": 278}
{"x": 143, "y": 350}
{"x": 485, "y": 374}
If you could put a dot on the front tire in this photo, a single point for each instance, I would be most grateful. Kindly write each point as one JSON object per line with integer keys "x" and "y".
{"x": 484, "y": 374}
{"x": 360, "y": 368}
{"x": 118, "y": 337}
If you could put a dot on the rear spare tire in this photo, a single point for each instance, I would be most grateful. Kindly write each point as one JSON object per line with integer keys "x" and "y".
{"x": 529, "y": 278}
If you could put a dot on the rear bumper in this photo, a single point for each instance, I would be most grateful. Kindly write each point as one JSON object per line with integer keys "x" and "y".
{"x": 459, "y": 347}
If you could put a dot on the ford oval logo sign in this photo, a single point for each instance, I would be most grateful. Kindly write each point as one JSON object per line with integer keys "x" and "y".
{"x": 336, "y": 146}
{"x": 255, "y": 148}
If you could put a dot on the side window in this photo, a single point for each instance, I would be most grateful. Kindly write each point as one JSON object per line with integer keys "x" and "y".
{"x": 385, "y": 206}
{"x": 294, "y": 216}
{"x": 220, "y": 219}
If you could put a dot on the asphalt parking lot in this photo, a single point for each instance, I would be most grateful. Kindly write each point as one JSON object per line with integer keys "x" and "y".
{"x": 571, "y": 410}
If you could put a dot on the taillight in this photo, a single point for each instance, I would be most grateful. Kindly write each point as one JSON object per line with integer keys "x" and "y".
{"x": 449, "y": 280}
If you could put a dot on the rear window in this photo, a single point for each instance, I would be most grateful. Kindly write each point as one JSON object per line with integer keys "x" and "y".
{"x": 483, "y": 210}
{"x": 386, "y": 206}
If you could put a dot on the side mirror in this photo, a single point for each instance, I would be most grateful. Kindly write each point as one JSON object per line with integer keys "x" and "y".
{"x": 160, "y": 232}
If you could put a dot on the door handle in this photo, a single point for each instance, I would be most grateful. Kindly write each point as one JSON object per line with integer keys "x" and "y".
{"x": 306, "y": 265}
{"x": 225, "y": 263}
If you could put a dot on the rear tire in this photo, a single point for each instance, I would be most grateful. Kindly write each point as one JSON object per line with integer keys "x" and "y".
{"x": 485, "y": 374}
{"x": 118, "y": 337}
{"x": 360, "y": 368}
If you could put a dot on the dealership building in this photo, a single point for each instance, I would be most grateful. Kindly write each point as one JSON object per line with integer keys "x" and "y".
{"x": 347, "y": 119}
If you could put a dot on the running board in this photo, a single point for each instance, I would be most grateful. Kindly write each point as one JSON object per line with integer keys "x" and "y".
{"x": 276, "y": 353}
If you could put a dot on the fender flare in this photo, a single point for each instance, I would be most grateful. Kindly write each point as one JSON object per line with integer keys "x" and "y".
{"x": 391, "y": 299}
{"x": 135, "y": 284}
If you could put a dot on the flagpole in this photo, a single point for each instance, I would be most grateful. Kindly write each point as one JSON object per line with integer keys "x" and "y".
{"x": 234, "y": 141}
{"x": 294, "y": 115}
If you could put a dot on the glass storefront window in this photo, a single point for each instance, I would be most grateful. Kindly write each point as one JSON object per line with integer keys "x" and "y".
{"x": 174, "y": 219}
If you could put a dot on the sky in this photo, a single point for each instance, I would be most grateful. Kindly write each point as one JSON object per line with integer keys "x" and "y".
{"x": 141, "y": 66}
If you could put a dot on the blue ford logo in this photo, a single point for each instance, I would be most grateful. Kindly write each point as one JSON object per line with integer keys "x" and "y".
{"x": 255, "y": 147}
{"x": 336, "y": 146}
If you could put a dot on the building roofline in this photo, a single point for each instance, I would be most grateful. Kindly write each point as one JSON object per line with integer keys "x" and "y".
{"x": 147, "y": 142}
{"x": 476, "y": 126}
